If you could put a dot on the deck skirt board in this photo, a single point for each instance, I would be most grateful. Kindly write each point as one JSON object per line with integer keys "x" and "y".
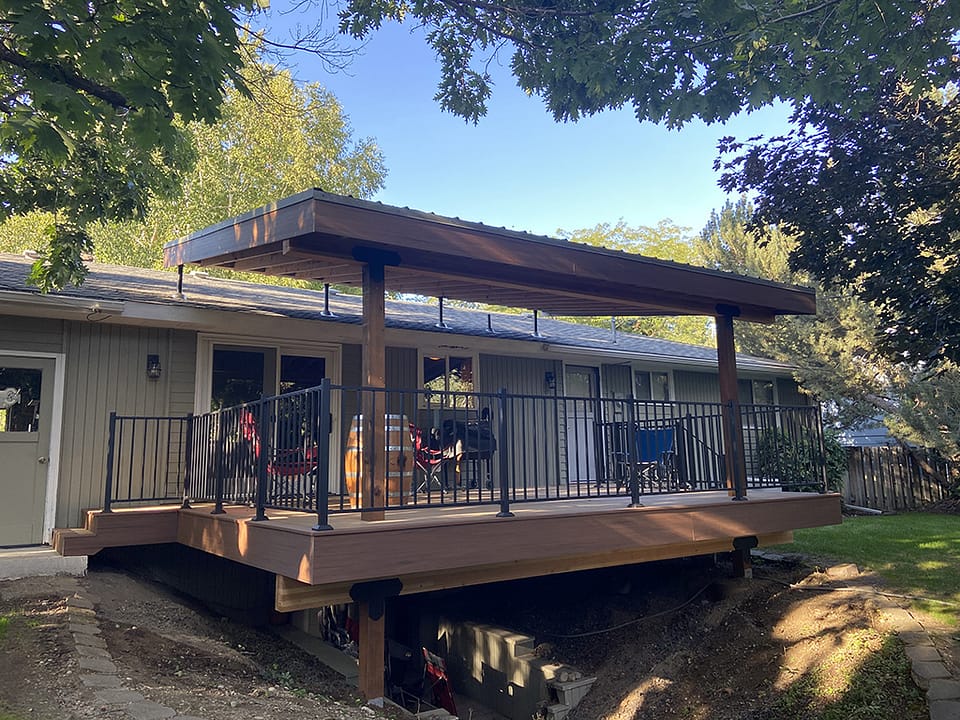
{"x": 450, "y": 547}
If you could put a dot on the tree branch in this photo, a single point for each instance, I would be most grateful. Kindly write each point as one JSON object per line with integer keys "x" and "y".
{"x": 67, "y": 76}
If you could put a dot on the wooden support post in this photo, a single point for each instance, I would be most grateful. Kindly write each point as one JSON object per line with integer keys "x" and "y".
{"x": 732, "y": 429}
{"x": 371, "y": 598}
{"x": 373, "y": 405}
{"x": 742, "y": 560}
{"x": 371, "y": 652}
{"x": 742, "y": 565}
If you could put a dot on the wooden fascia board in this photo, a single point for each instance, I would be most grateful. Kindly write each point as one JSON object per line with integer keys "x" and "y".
{"x": 535, "y": 255}
{"x": 292, "y": 595}
{"x": 442, "y": 249}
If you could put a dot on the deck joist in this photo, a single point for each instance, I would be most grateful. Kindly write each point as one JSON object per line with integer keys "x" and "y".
{"x": 432, "y": 549}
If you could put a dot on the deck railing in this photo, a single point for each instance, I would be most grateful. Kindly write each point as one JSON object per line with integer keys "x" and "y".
{"x": 308, "y": 451}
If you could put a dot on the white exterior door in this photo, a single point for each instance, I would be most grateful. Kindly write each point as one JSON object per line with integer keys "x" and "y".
{"x": 581, "y": 391}
{"x": 26, "y": 417}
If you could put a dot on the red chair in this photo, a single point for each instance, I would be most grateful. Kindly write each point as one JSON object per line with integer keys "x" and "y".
{"x": 284, "y": 465}
{"x": 430, "y": 456}
{"x": 436, "y": 680}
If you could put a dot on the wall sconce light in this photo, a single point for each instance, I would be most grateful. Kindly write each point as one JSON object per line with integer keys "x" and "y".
{"x": 153, "y": 367}
{"x": 550, "y": 379}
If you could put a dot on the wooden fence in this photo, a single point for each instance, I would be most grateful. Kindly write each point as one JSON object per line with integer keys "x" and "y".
{"x": 890, "y": 478}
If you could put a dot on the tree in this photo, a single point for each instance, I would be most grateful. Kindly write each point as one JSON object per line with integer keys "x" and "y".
{"x": 89, "y": 96}
{"x": 836, "y": 352}
{"x": 280, "y": 138}
{"x": 666, "y": 241}
{"x": 874, "y": 204}
{"x": 673, "y": 60}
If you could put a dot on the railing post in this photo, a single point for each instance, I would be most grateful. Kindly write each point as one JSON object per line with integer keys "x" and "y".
{"x": 188, "y": 463}
{"x": 504, "y": 468}
{"x": 108, "y": 483}
{"x": 738, "y": 464}
{"x": 322, "y": 488}
{"x": 218, "y": 479}
{"x": 821, "y": 447}
{"x": 632, "y": 467}
{"x": 266, "y": 433}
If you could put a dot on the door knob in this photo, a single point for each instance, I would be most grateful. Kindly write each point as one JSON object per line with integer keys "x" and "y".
{"x": 42, "y": 460}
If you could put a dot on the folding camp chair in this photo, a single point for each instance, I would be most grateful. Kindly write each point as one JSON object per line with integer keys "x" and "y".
{"x": 435, "y": 678}
{"x": 288, "y": 468}
{"x": 654, "y": 459}
{"x": 430, "y": 455}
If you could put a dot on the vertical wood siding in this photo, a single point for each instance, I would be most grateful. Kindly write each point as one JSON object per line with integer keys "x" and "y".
{"x": 105, "y": 372}
{"x": 696, "y": 386}
{"x": 534, "y": 438}
{"x": 31, "y": 334}
{"x": 616, "y": 381}
{"x": 789, "y": 394}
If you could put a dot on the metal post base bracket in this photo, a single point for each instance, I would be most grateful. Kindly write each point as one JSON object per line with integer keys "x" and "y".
{"x": 375, "y": 593}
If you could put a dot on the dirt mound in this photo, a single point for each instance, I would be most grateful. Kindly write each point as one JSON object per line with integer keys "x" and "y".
{"x": 950, "y": 506}
{"x": 674, "y": 639}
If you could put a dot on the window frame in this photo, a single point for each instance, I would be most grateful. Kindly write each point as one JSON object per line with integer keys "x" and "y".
{"x": 651, "y": 372}
{"x": 444, "y": 353}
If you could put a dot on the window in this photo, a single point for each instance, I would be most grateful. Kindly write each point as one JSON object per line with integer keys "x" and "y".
{"x": 755, "y": 392}
{"x": 651, "y": 385}
{"x": 239, "y": 376}
{"x": 447, "y": 375}
{"x": 763, "y": 392}
{"x": 19, "y": 399}
{"x": 231, "y": 373}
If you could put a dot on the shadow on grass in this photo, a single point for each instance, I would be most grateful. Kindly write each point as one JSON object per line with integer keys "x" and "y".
{"x": 880, "y": 689}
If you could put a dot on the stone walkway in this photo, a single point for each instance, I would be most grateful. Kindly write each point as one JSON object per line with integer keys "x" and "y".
{"x": 928, "y": 669}
{"x": 98, "y": 671}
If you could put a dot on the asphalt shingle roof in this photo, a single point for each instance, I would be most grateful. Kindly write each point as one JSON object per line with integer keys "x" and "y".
{"x": 133, "y": 284}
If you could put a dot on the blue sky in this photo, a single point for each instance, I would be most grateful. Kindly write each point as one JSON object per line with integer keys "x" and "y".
{"x": 518, "y": 168}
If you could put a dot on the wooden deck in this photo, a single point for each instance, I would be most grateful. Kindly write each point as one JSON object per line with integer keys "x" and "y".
{"x": 432, "y": 549}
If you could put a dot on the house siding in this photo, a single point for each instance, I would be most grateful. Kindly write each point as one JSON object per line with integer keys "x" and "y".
{"x": 696, "y": 386}
{"x": 105, "y": 371}
{"x": 534, "y": 438}
{"x": 789, "y": 393}
{"x": 28, "y": 334}
{"x": 616, "y": 381}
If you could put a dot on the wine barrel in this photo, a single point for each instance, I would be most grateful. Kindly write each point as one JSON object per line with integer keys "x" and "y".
{"x": 399, "y": 461}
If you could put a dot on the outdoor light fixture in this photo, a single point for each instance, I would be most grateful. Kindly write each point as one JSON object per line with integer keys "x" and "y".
{"x": 153, "y": 367}
{"x": 550, "y": 378}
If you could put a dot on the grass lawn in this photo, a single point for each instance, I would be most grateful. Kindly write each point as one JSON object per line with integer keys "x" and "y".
{"x": 915, "y": 553}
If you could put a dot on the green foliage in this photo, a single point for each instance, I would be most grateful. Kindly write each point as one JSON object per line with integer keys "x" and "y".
{"x": 873, "y": 205}
{"x": 90, "y": 92}
{"x": 796, "y": 457}
{"x": 277, "y": 138}
{"x": 836, "y": 352}
{"x": 666, "y": 241}
{"x": 673, "y": 60}
{"x": 916, "y": 553}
